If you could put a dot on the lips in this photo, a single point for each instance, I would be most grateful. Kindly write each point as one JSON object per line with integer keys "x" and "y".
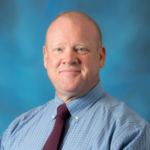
{"x": 69, "y": 71}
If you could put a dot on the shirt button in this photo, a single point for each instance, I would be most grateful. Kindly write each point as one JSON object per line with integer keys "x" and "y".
{"x": 53, "y": 117}
{"x": 76, "y": 118}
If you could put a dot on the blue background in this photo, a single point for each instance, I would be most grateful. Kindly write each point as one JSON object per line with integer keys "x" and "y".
{"x": 125, "y": 27}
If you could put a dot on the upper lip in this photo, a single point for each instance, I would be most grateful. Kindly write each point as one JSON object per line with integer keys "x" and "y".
{"x": 70, "y": 70}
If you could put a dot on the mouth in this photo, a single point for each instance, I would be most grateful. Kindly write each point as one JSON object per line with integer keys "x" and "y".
{"x": 69, "y": 71}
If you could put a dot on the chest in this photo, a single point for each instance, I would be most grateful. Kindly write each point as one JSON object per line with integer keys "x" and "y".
{"x": 89, "y": 132}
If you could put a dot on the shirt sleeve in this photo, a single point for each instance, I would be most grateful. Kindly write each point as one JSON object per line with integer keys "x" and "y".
{"x": 4, "y": 139}
{"x": 137, "y": 139}
{"x": 1, "y": 143}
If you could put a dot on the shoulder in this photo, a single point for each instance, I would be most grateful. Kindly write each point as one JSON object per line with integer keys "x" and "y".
{"x": 126, "y": 127}
{"x": 27, "y": 116}
{"x": 119, "y": 112}
{"x": 26, "y": 119}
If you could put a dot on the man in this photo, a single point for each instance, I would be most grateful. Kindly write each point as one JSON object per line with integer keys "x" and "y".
{"x": 73, "y": 55}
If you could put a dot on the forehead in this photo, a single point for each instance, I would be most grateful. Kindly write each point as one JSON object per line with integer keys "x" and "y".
{"x": 65, "y": 27}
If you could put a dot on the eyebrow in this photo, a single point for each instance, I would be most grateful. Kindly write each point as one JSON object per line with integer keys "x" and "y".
{"x": 57, "y": 44}
{"x": 82, "y": 44}
{"x": 77, "y": 44}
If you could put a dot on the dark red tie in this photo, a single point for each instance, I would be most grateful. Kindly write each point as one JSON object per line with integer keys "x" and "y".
{"x": 53, "y": 141}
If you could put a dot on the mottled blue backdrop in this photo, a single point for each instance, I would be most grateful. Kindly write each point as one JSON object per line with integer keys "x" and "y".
{"x": 125, "y": 27}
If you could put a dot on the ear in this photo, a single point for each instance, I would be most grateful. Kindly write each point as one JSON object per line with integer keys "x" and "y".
{"x": 102, "y": 56}
{"x": 45, "y": 56}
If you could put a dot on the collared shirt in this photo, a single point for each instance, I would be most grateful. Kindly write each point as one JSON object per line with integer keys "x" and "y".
{"x": 98, "y": 121}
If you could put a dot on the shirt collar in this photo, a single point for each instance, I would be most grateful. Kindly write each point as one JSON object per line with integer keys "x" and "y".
{"x": 79, "y": 106}
{"x": 58, "y": 102}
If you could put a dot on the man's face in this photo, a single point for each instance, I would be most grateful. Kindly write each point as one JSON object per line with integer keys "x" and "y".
{"x": 72, "y": 56}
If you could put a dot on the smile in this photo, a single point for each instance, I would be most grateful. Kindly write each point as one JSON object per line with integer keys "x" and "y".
{"x": 70, "y": 71}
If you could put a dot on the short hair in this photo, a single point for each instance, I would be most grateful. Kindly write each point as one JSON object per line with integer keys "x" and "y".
{"x": 75, "y": 14}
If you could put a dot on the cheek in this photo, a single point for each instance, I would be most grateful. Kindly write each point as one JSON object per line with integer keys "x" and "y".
{"x": 91, "y": 65}
{"x": 53, "y": 62}
{"x": 52, "y": 65}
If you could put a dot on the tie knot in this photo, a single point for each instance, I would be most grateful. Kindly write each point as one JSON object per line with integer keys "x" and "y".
{"x": 63, "y": 111}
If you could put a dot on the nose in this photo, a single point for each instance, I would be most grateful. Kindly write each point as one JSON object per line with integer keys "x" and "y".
{"x": 70, "y": 57}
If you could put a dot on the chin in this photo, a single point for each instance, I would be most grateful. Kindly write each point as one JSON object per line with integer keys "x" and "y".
{"x": 70, "y": 86}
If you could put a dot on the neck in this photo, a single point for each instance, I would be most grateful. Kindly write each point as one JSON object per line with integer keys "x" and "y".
{"x": 66, "y": 96}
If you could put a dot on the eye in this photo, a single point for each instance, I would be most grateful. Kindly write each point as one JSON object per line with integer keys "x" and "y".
{"x": 81, "y": 49}
{"x": 58, "y": 49}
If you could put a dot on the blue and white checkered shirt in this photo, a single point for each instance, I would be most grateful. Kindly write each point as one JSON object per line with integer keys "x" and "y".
{"x": 98, "y": 121}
